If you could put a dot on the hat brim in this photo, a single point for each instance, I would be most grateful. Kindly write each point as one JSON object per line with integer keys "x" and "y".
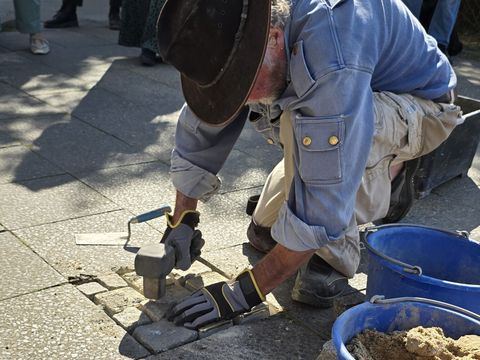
{"x": 220, "y": 103}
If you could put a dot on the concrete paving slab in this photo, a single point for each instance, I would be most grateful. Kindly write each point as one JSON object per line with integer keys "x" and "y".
{"x": 33, "y": 166}
{"x": 223, "y": 222}
{"x": 274, "y": 338}
{"x": 23, "y": 270}
{"x": 61, "y": 323}
{"x": 139, "y": 188}
{"x": 141, "y": 90}
{"x": 78, "y": 147}
{"x": 77, "y": 39}
{"x": 87, "y": 63}
{"x": 56, "y": 198}
{"x": 137, "y": 125}
{"x": 445, "y": 211}
{"x": 468, "y": 76}
{"x": 66, "y": 101}
{"x": 27, "y": 128}
{"x": 56, "y": 243}
{"x": 36, "y": 78}
{"x": 14, "y": 41}
{"x": 242, "y": 171}
{"x": 14, "y": 103}
{"x": 163, "y": 73}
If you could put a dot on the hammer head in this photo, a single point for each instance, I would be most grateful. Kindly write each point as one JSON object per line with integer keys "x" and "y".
{"x": 154, "y": 262}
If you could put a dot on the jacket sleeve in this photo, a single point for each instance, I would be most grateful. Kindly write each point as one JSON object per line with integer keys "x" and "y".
{"x": 200, "y": 152}
{"x": 333, "y": 130}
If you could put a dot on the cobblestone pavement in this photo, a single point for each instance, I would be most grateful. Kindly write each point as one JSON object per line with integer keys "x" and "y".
{"x": 85, "y": 137}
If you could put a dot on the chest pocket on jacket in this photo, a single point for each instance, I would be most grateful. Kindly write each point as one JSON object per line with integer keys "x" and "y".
{"x": 320, "y": 142}
{"x": 302, "y": 81}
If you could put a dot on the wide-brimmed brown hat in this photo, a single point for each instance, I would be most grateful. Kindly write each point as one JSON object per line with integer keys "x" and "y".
{"x": 218, "y": 47}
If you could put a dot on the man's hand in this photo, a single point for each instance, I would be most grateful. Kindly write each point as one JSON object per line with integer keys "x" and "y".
{"x": 220, "y": 301}
{"x": 183, "y": 237}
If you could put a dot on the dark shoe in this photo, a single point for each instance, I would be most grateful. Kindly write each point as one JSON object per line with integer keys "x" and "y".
{"x": 318, "y": 284}
{"x": 402, "y": 194}
{"x": 148, "y": 57}
{"x": 65, "y": 17}
{"x": 260, "y": 237}
{"x": 114, "y": 21}
{"x": 252, "y": 204}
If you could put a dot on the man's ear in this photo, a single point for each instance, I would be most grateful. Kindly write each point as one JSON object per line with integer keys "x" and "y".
{"x": 275, "y": 37}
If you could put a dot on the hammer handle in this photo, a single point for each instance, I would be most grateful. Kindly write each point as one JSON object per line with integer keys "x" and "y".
{"x": 151, "y": 214}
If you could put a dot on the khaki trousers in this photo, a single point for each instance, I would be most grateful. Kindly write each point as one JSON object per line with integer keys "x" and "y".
{"x": 406, "y": 127}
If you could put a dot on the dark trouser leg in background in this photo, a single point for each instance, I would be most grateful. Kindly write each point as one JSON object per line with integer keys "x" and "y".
{"x": 114, "y": 14}
{"x": 66, "y": 16}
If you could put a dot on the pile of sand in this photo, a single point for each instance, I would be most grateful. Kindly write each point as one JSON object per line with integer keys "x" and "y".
{"x": 416, "y": 344}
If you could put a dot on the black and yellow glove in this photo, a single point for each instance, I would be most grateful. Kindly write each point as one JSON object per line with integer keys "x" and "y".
{"x": 183, "y": 237}
{"x": 220, "y": 301}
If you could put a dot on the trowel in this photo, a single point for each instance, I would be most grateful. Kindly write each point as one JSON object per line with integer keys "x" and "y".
{"x": 119, "y": 238}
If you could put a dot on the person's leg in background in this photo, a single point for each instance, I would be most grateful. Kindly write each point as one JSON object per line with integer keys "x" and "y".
{"x": 66, "y": 16}
{"x": 27, "y": 19}
{"x": 443, "y": 22}
{"x": 114, "y": 14}
{"x": 149, "y": 52}
{"x": 415, "y": 7}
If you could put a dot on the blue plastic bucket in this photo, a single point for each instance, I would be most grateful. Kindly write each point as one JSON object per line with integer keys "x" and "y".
{"x": 414, "y": 260}
{"x": 401, "y": 314}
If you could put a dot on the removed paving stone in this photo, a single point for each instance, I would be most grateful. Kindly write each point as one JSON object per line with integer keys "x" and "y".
{"x": 163, "y": 335}
{"x": 130, "y": 318}
{"x": 116, "y": 301}
{"x": 112, "y": 281}
{"x": 91, "y": 289}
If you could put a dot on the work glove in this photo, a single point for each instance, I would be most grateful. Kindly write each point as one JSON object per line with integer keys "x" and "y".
{"x": 220, "y": 301}
{"x": 182, "y": 236}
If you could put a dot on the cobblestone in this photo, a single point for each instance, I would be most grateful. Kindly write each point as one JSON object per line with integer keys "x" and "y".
{"x": 197, "y": 268}
{"x": 91, "y": 289}
{"x": 112, "y": 281}
{"x": 130, "y": 318}
{"x": 196, "y": 282}
{"x": 163, "y": 335}
{"x": 156, "y": 309}
{"x": 117, "y": 300}
{"x": 136, "y": 281}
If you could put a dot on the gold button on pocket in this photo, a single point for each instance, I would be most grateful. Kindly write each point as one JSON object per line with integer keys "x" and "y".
{"x": 333, "y": 140}
{"x": 307, "y": 141}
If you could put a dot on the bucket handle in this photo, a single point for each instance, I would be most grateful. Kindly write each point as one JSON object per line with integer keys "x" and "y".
{"x": 380, "y": 299}
{"x": 412, "y": 269}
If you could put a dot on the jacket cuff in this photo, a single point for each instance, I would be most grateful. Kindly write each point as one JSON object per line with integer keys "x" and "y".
{"x": 296, "y": 235}
{"x": 191, "y": 180}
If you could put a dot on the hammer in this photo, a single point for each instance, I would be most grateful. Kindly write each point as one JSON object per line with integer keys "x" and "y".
{"x": 154, "y": 262}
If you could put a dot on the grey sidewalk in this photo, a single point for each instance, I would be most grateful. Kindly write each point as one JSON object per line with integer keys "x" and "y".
{"x": 85, "y": 137}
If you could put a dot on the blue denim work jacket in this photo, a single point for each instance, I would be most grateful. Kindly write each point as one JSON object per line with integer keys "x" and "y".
{"x": 339, "y": 53}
